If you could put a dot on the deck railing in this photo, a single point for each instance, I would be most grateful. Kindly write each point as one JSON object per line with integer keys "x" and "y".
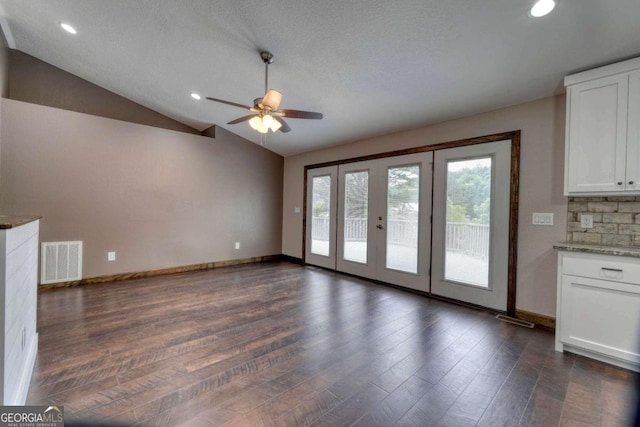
{"x": 320, "y": 228}
{"x": 467, "y": 238}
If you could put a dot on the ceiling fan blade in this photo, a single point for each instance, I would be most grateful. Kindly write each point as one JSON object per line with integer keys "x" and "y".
{"x": 246, "y": 107}
{"x": 285, "y": 127}
{"x": 297, "y": 114}
{"x": 241, "y": 119}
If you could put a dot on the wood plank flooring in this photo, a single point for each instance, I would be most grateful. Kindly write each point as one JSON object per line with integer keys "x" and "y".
{"x": 279, "y": 344}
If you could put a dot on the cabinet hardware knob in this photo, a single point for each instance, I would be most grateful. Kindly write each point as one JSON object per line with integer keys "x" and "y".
{"x": 630, "y": 182}
{"x": 619, "y": 182}
{"x": 380, "y": 227}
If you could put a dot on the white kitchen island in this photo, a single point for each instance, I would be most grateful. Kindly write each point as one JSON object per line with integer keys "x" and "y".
{"x": 18, "y": 297}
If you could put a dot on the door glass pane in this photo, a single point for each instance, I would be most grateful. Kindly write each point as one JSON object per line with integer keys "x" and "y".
{"x": 356, "y": 209}
{"x": 403, "y": 204}
{"x": 468, "y": 221}
{"x": 320, "y": 208}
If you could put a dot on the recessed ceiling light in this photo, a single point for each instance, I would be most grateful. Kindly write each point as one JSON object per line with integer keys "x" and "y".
{"x": 542, "y": 7}
{"x": 195, "y": 96}
{"x": 68, "y": 28}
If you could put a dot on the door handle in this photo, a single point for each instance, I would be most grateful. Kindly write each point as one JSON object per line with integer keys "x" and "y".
{"x": 380, "y": 227}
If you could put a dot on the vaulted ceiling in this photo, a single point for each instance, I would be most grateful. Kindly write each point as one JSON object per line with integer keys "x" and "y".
{"x": 371, "y": 66}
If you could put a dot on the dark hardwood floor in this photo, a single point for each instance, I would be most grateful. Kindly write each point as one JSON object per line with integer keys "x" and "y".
{"x": 279, "y": 344}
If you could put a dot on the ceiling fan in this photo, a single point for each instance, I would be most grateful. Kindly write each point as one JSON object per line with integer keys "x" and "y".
{"x": 265, "y": 114}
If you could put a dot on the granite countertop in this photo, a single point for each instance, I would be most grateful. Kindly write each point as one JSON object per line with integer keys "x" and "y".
{"x": 11, "y": 221}
{"x": 633, "y": 251}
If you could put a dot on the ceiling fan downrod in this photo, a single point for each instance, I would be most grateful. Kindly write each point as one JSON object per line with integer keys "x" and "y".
{"x": 267, "y": 58}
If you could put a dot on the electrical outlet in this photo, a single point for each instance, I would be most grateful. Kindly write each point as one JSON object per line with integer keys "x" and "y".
{"x": 586, "y": 221}
{"x": 111, "y": 256}
{"x": 542, "y": 218}
{"x": 237, "y": 245}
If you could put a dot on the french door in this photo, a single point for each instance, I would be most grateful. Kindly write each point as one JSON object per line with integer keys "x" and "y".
{"x": 471, "y": 224}
{"x": 321, "y": 209}
{"x": 383, "y": 219}
{"x": 375, "y": 219}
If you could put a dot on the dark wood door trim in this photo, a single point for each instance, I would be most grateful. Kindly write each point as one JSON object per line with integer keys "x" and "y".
{"x": 513, "y": 224}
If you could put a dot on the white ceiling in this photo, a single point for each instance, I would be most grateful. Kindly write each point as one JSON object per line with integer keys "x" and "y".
{"x": 370, "y": 66}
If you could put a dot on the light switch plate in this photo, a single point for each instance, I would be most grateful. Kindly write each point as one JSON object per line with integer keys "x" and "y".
{"x": 586, "y": 221}
{"x": 542, "y": 218}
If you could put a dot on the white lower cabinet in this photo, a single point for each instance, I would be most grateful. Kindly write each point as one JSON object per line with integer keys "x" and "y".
{"x": 598, "y": 308}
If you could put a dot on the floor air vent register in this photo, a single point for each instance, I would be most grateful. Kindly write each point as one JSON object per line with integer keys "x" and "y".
{"x": 515, "y": 321}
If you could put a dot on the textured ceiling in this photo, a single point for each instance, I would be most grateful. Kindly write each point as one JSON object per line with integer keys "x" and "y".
{"x": 371, "y": 66}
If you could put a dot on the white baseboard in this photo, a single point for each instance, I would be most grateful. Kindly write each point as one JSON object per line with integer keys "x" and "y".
{"x": 598, "y": 356}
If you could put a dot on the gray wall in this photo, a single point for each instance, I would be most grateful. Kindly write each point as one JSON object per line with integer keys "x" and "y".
{"x": 4, "y": 78}
{"x": 4, "y": 67}
{"x": 32, "y": 80}
{"x": 120, "y": 177}
{"x": 159, "y": 198}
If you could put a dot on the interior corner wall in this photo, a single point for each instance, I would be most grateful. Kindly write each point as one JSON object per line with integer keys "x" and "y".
{"x": 158, "y": 198}
{"x": 542, "y": 123}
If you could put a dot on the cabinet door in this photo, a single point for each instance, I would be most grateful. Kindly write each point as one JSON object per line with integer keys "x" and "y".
{"x": 633, "y": 134}
{"x": 596, "y": 136}
{"x": 601, "y": 316}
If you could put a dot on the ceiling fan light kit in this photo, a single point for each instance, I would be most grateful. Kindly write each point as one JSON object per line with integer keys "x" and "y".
{"x": 264, "y": 123}
{"x": 272, "y": 99}
{"x": 265, "y": 113}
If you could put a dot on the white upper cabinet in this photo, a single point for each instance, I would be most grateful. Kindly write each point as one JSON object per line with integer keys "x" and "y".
{"x": 602, "y": 153}
{"x": 633, "y": 133}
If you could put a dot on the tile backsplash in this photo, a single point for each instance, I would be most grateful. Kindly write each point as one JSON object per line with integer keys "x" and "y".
{"x": 616, "y": 220}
